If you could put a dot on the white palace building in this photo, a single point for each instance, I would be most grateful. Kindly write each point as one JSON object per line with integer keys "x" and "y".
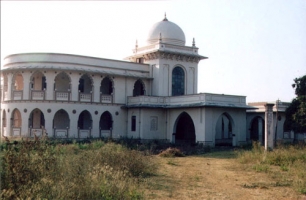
{"x": 152, "y": 95}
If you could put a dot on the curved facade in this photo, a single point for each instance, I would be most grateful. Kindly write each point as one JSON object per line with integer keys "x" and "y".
{"x": 65, "y": 96}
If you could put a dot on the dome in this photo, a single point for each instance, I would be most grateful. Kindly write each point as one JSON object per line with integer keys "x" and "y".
{"x": 169, "y": 31}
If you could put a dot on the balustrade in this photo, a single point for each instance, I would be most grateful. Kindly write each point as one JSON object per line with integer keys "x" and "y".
{"x": 5, "y": 96}
{"x": 17, "y": 94}
{"x": 106, "y": 98}
{"x": 62, "y": 96}
{"x": 85, "y": 97}
{"x": 38, "y": 94}
{"x": 61, "y": 133}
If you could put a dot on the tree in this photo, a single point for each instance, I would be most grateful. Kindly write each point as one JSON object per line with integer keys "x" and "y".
{"x": 296, "y": 112}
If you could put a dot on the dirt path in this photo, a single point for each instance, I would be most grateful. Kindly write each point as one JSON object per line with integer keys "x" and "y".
{"x": 213, "y": 178}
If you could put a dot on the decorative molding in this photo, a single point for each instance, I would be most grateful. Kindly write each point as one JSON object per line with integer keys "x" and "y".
{"x": 172, "y": 56}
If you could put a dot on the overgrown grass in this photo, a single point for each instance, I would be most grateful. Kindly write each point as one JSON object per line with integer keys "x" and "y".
{"x": 286, "y": 163}
{"x": 44, "y": 170}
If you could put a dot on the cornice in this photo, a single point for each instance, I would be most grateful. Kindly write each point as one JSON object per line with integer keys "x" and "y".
{"x": 170, "y": 55}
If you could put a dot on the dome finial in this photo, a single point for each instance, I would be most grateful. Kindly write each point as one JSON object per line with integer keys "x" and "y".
{"x": 165, "y": 19}
{"x": 193, "y": 42}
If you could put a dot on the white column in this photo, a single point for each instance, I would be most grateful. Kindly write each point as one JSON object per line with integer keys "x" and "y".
{"x": 26, "y": 85}
{"x": 269, "y": 132}
{"x": 9, "y": 87}
{"x": 75, "y": 87}
{"x": 95, "y": 131}
{"x": 73, "y": 129}
{"x": 96, "y": 88}
{"x": 50, "y": 85}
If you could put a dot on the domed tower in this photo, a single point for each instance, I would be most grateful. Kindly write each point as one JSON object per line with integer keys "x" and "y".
{"x": 173, "y": 65}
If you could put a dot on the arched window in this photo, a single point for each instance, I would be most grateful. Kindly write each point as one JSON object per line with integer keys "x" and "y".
{"x": 106, "y": 121}
{"x": 106, "y": 86}
{"x": 138, "y": 88}
{"x": 178, "y": 81}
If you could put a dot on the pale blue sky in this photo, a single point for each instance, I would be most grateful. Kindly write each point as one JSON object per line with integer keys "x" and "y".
{"x": 255, "y": 48}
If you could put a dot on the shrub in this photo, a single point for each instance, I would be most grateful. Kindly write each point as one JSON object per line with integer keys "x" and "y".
{"x": 39, "y": 170}
{"x": 171, "y": 152}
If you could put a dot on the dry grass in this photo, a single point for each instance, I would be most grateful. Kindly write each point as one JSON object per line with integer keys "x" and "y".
{"x": 218, "y": 175}
{"x": 40, "y": 170}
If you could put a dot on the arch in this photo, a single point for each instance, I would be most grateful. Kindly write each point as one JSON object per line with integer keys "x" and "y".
{"x": 16, "y": 123}
{"x": 178, "y": 81}
{"x": 85, "y": 84}
{"x": 17, "y": 82}
{"x": 37, "y": 119}
{"x": 16, "y": 117}
{"x": 184, "y": 130}
{"x": 62, "y": 82}
{"x": 257, "y": 129}
{"x": 107, "y": 85}
{"x": 224, "y": 130}
{"x": 61, "y": 120}
{"x": 287, "y": 130}
{"x": 139, "y": 88}
{"x": 38, "y": 81}
{"x": 106, "y": 121}
{"x": 85, "y": 120}
{"x": 3, "y": 124}
{"x": 5, "y": 87}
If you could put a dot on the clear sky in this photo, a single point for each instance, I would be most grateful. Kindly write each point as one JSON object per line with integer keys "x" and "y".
{"x": 255, "y": 47}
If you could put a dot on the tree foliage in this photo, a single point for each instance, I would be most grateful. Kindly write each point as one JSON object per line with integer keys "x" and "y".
{"x": 296, "y": 112}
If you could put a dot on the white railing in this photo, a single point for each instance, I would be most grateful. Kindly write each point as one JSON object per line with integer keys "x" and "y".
{"x": 17, "y": 94}
{"x": 36, "y": 131}
{"x": 5, "y": 98}
{"x": 62, "y": 96}
{"x": 38, "y": 94}
{"x": 105, "y": 133}
{"x": 16, "y": 131}
{"x": 85, "y": 97}
{"x": 106, "y": 98}
{"x": 61, "y": 133}
{"x": 203, "y": 98}
{"x": 84, "y": 133}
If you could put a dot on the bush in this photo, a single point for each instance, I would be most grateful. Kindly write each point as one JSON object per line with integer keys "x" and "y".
{"x": 171, "y": 152}
{"x": 39, "y": 170}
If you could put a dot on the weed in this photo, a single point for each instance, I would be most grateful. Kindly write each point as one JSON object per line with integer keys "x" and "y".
{"x": 171, "y": 152}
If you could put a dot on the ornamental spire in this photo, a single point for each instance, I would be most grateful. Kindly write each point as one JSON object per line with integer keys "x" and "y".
{"x": 193, "y": 42}
{"x": 165, "y": 19}
{"x": 160, "y": 38}
{"x": 136, "y": 46}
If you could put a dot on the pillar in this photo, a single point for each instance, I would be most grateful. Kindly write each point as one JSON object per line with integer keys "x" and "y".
{"x": 269, "y": 133}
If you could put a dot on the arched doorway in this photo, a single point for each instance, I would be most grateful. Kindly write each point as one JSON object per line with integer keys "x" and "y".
{"x": 17, "y": 87}
{"x": 184, "y": 131}
{"x": 106, "y": 90}
{"x": 84, "y": 124}
{"x": 85, "y": 88}
{"x": 36, "y": 122}
{"x": 139, "y": 88}
{"x": 178, "y": 81}
{"x": 106, "y": 124}
{"x": 257, "y": 131}
{"x": 224, "y": 131}
{"x": 62, "y": 89}
{"x": 16, "y": 122}
{"x": 38, "y": 86}
{"x": 61, "y": 124}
